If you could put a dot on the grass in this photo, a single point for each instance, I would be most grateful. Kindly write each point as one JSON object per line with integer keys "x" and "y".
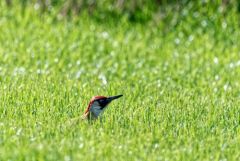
{"x": 179, "y": 78}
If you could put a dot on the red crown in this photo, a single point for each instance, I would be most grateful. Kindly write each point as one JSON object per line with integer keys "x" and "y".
{"x": 91, "y": 102}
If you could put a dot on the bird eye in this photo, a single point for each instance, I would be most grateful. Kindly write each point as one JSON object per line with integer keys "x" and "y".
{"x": 102, "y": 102}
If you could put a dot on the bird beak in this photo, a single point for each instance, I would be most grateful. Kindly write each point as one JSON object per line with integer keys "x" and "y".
{"x": 111, "y": 98}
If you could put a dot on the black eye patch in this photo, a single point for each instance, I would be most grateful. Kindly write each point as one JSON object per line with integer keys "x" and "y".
{"x": 103, "y": 102}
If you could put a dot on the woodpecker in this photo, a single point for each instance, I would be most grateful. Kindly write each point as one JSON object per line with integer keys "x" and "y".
{"x": 97, "y": 106}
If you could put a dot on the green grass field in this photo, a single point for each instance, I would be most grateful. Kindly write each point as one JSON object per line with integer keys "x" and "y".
{"x": 179, "y": 77}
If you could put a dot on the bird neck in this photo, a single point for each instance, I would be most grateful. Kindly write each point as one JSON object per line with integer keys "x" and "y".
{"x": 90, "y": 115}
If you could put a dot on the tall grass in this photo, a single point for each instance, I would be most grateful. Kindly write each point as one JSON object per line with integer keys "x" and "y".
{"x": 178, "y": 72}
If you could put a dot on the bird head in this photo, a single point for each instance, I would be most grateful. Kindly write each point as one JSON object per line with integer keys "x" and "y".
{"x": 97, "y": 105}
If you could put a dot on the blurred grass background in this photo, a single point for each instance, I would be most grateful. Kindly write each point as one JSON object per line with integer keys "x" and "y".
{"x": 176, "y": 62}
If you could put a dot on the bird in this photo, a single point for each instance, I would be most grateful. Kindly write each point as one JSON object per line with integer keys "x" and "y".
{"x": 95, "y": 108}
